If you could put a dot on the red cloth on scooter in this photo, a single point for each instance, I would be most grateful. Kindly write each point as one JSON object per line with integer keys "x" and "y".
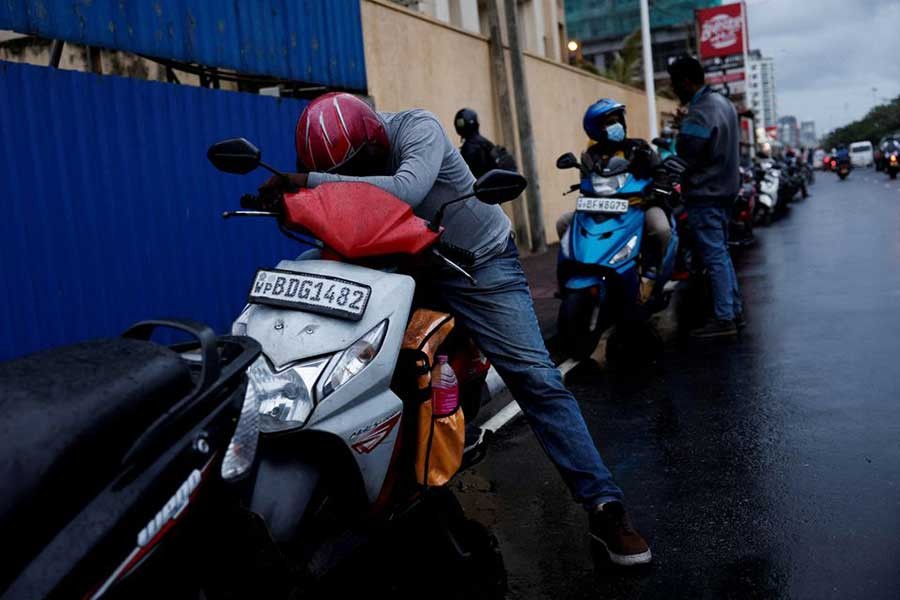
{"x": 358, "y": 220}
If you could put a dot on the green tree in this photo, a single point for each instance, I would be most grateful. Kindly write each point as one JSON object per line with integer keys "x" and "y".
{"x": 879, "y": 121}
{"x": 626, "y": 65}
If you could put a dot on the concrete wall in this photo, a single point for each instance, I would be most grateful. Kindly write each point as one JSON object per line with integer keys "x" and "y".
{"x": 414, "y": 61}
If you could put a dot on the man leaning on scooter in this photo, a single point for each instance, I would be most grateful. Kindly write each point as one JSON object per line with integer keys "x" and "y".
{"x": 340, "y": 138}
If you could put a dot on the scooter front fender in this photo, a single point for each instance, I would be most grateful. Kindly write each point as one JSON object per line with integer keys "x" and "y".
{"x": 282, "y": 492}
{"x": 584, "y": 282}
{"x": 596, "y": 243}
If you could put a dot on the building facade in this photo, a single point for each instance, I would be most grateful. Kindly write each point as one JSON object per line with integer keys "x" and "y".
{"x": 808, "y": 134}
{"x": 542, "y": 23}
{"x": 789, "y": 131}
{"x": 601, "y": 26}
{"x": 761, "y": 89}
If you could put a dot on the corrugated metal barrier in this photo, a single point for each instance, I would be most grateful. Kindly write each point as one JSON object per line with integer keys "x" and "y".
{"x": 306, "y": 40}
{"x": 111, "y": 212}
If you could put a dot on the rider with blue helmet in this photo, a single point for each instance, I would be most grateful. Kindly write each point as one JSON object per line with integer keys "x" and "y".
{"x": 604, "y": 122}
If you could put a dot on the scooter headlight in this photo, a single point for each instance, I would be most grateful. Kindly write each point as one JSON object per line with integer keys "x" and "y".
{"x": 355, "y": 358}
{"x": 285, "y": 398}
{"x": 626, "y": 251}
{"x": 607, "y": 186}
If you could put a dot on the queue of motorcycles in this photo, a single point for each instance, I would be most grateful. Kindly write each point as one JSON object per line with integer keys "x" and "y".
{"x": 601, "y": 259}
{"x": 778, "y": 183}
{"x": 252, "y": 465}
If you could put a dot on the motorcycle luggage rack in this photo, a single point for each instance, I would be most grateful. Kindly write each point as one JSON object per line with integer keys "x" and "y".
{"x": 215, "y": 373}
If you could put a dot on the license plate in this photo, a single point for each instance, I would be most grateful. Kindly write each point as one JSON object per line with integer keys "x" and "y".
{"x": 602, "y": 205}
{"x": 311, "y": 293}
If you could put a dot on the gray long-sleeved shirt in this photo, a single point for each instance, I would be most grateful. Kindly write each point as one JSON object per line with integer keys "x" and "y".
{"x": 428, "y": 171}
{"x": 709, "y": 142}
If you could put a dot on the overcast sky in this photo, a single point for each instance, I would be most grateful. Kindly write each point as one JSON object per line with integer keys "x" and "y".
{"x": 829, "y": 54}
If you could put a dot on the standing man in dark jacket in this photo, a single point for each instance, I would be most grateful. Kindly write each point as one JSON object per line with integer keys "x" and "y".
{"x": 709, "y": 142}
{"x": 476, "y": 149}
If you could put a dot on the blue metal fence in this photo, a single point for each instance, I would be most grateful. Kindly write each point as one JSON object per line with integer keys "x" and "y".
{"x": 317, "y": 41}
{"x": 110, "y": 210}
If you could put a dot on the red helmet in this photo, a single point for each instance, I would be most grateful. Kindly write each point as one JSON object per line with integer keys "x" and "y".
{"x": 334, "y": 128}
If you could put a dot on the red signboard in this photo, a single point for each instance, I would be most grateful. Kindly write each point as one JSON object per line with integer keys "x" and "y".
{"x": 721, "y": 30}
{"x": 725, "y": 77}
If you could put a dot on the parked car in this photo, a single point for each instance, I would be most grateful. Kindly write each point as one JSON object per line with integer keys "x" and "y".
{"x": 862, "y": 154}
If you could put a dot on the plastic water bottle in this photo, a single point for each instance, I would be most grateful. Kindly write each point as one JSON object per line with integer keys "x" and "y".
{"x": 444, "y": 388}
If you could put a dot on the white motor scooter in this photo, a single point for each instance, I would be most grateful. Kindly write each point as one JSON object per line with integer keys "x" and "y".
{"x": 348, "y": 432}
{"x": 769, "y": 180}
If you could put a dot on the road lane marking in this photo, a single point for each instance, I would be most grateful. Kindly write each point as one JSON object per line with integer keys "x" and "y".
{"x": 506, "y": 414}
{"x": 494, "y": 383}
{"x": 567, "y": 365}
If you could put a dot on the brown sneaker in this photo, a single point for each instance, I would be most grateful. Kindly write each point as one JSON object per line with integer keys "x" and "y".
{"x": 611, "y": 527}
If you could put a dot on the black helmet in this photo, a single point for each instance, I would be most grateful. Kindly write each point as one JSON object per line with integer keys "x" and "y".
{"x": 466, "y": 122}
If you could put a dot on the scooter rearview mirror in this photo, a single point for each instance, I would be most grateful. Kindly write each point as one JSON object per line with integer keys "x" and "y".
{"x": 498, "y": 186}
{"x": 567, "y": 161}
{"x": 236, "y": 155}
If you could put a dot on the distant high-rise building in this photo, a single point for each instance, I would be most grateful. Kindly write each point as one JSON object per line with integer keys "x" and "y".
{"x": 789, "y": 131}
{"x": 761, "y": 89}
{"x": 808, "y": 134}
{"x": 601, "y": 26}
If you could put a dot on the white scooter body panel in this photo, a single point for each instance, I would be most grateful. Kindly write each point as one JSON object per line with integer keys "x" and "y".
{"x": 289, "y": 335}
{"x": 363, "y": 412}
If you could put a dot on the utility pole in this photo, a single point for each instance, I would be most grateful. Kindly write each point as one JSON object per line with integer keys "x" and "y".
{"x": 55, "y": 53}
{"x": 526, "y": 135}
{"x": 507, "y": 128}
{"x": 649, "y": 83}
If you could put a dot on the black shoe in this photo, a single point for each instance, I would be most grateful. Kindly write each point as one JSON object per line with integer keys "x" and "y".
{"x": 739, "y": 321}
{"x": 715, "y": 328}
{"x": 611, "y": 527}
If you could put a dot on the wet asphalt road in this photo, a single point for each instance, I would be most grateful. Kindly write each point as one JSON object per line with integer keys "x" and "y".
{"x": 762, "y": 468}
{"x": 765, "y": 467}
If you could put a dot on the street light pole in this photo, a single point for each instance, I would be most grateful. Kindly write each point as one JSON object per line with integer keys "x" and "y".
{"x": 649, "y": 83}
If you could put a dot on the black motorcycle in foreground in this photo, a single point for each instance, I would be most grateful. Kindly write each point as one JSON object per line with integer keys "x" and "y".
{"x": 119, "y": 458}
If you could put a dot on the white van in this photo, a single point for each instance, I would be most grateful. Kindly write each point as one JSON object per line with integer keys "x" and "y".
{"x": 819, "y": 159}
{"x": 862, "y": 154}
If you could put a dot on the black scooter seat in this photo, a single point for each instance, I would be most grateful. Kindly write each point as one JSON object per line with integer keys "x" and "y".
{"x": 67, "y": 418}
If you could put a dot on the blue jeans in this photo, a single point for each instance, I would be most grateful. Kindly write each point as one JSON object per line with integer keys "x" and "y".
{"x": 499, "y": 314}
{"x": 710, "y": 227}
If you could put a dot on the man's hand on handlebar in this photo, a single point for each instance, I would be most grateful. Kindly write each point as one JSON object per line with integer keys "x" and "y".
{"x": 270, "y": 192}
